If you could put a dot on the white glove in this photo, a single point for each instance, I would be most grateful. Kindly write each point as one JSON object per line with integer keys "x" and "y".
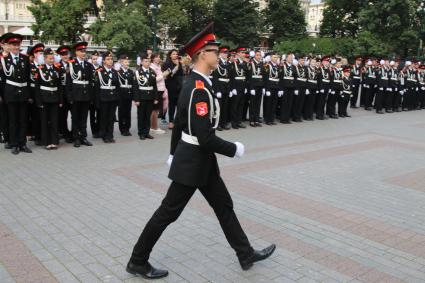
{"x": 423, "y": 88}
{"x": 296, "y": 92}
{"x": 417, "y": 89}
{"x": 234, "y": 92}
{"x": 240, "y": 149}
{"x": 252, "y": 91}
{"x": 396, "y": 89}
{"x": 268, "y": 93}
{"x": 322, "y": 91}
{"x": 389, "y": 89}
{"x": 332, "y": 92}
{"x": 381, "y": 88}
{"x": 218, "y": 94}
{"x": 280, "y": 93}
{"x": 245, "y": 91}
{"x": 307, "y": 92}
{"x": 375, "y": 86}
{"x": 230, "y": 94}
{"x": 264, "y": 91}
{"x": 401, "y": 92}
{"x": 169, "y": 160}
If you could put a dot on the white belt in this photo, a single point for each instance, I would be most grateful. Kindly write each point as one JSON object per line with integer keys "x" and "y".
{"x": 32, "y": 84}
{"x": 16, "y": 84}
{"x": 412, "y": 80}
{"x": 107, "y": 87}
{"x": 239, "y": 78}
{"x": 274, "y": 80}
{"x": 223, "y": 80}
{"x": 356, "y": 77}
{"x": 80, "y": 82}
{"x": 326, "y": 81}
{"x": 288, "y": 78}
{"x": 126, "y": 86}
{"x": 189, "y": 139}
{"x": 373, "y": 77}
{"x": 394, "y": 79}
{"x": 257, "y": 77}
{"x": 384, "y": 79}
{"x": 146, "y": 87}
{"x": 48, "y": 88}
{"x": 337, "y": 81}
{"x": 313, "y": 82}
{"x": 301, "y": 79}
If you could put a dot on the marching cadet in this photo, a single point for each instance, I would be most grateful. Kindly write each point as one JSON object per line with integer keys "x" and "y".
{"x": 300, "y": 85}
{"x": 221, "y": 80}
{"x": 287, "y": 85}
{"x": 126, "y": 79}
{"x": 80, "y": 93}
{"x": 421, "y": 81}
{"x": 238, "y": 72}
{"x": 107, "y": 96}
{"x": 356, "y": 78}
{"x": 194, "y": 137}
{"x": 48, "y": 98}
{"x": 36, "y": 57}
{"x": 346, "y": 92}
{"x": 411, "y": 83}
{"x": 416, "y": 97}
{"x": 255, "y": 83}
{"x": 369, "y": 84}
{"x": 311, "y": 92}
{"x": 393, "y": 95}
{"x": 382, "y": 80}
{"x": 94, "y": 110}
{"x": 324, "y": 88}
{"x": 15, "y": 72}
{"x": 335, "y": 88}
{"x": 272, "y": 85}
{"x": 145, "y": 96}
{"x": 64, "y": 52}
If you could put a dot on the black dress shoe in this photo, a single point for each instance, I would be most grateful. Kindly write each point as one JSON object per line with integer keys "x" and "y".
{"x": 257, "y": 124}
{"x": 77, "y": 143}
{"x": 68, "y": 140}
{"x": 7, "y": 146}
{"x": 111, "y": 140}
{"x": 86, "y": 142}
{"x": 142, "y": 138}
{"x": 219, "y": 128}
{"x": 348, "y": 116}
{"x": 15, "y": 150}
{"x": 268, "y": 123}
{"x": 380, "y": 112}
{"x": 149, "y": 137}
{"x": 147, "y": 271}
{"x": 253, "y": 125}
{"x": 235, "y": 127}
{"x": 227, "y": 127}
{"x": 273, "y": 123}
{"x": 242, "y": 126}
{"x": 106, "y": 141}
{"x": 38, "y": 142}
{"x": 96, "y": 136}
{"x": 257, "y": 256}
{"x": 286, "y": 122}
{"x": 25, "y": 149}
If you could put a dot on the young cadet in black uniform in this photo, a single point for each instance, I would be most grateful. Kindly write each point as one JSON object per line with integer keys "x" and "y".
{"x": 421, "y": 81}
{"x": 15, "y": 73}
{"x": 335, "y": 88}
{"x": 311, "y": 92}
{"x": 411, "y": 83}
{"x": 94, "y": 111}
{"x": 34, "y": 115}
{"x": 48, "y": 98}
{"x": 64, "y": 51}
{"x": 4, "y": 124}
{"x": 346, "y": 92}
{"x": 324, "y": 87}
{"x": 272, "y": 84}
{"x": 194, "y": 164}
{"x": 126, "y": 79}
{"x": 300, "y": 84}
{"x": 356, "y": 78}
{"x": 393, "y": 98}
{"x": 145, "y": 96}
{"x": 255, "y": 82}
{"x": 80, "y": 93}
{"x": 221, "y": 81}
{"x": 107, "y": 96}
{"x": 287, "y": 85}
{"x": 369, "y": 84}
{"x": 238, "y": 71}
{"x": 382, "y": 80}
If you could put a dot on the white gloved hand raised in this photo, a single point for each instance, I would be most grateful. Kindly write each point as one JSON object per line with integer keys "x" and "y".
{"x": 307, "y": 92}
{"x": 322, "y": 91}
{"x": 296, "y": 92}
{"x": 169, "y": 160}
{"x": 218, "y": 95}
{"x": 240, "y": 149}
{"x": 268, "y": 93}
{"x": 235, "y": 92}
{"x": 280, "y": 93}
{"x": 252, "y": 91}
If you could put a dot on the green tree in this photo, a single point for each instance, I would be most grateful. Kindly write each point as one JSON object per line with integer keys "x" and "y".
{"x": 237, "y": 21}
{"x": 124, "y": 27}
{"x": 58, "y": 20}
{"x": 285, "y": 19}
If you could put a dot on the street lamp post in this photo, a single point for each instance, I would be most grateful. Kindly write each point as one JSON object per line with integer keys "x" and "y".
{"x": 154, "y": 8}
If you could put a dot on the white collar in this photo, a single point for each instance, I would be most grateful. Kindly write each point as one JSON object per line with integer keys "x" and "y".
{"x": 79, "y": 60}
{"x": 48, "y": 66}
{"x": 204, "y": 76}
{"x": 256, "y": 61}
{"x": 222, "y": 60}
{"x": 144, "y": 69}
{"x": 107, "y": 69}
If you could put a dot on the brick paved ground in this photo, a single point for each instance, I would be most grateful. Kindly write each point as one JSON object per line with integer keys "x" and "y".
{"x": 344, "y": 200}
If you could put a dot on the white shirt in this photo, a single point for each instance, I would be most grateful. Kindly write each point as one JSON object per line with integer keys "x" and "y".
{"x": 204, "y": 76}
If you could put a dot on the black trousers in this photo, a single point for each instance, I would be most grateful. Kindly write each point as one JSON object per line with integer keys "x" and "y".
{"x": 107, "y": 119}
{"x": 224, "y": 109}
{"x": 369, "y": 96}
{"x": 4, "y": 121}
{"x": 343, "y": 101}
{"x": 94, "y": 119}
{"x": 144, "y": 112}
{"x": 172, "y": 206}
{"x": 354, "y": 98}
{"x": 237, "y": 104}
{"x": 309, "y": 103}
{"x": 172, "y": 105}
{"x": 63, "y": 120}
{"x": 255, "y": 104}
{"x": 380, "y": 99}
{"x": 246, "y": 97}
{"x": 80, "y": 111}
{"x": 331, "y": 103}
{"x": 321, "y": 99}
{"x": 124, "y": 115}
{"x": 298, "y": 104}
{"x": 34, "y": 121}
{"x": 286, "y": 105}
{"x": 270, "y": 103}
{"x": 389, "y": 100}
{"x": 18, "y": 121}
{"x": 49, "y": 123}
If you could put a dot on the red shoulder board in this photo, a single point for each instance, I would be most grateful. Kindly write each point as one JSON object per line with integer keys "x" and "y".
{"x": 58, "y": 65}
{"x": 199, "y": 84}
{"x": 99, "y": 69}
{"x": 201, "y": 108}
{"x": 71, "y": 61}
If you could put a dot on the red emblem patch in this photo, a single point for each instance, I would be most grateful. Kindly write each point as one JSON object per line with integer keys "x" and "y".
{"x": 200, "y": 84}
{"x": 201, "y": 108}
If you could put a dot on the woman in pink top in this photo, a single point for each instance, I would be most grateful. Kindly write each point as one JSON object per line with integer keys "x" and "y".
{"x": 162, "y": 93}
